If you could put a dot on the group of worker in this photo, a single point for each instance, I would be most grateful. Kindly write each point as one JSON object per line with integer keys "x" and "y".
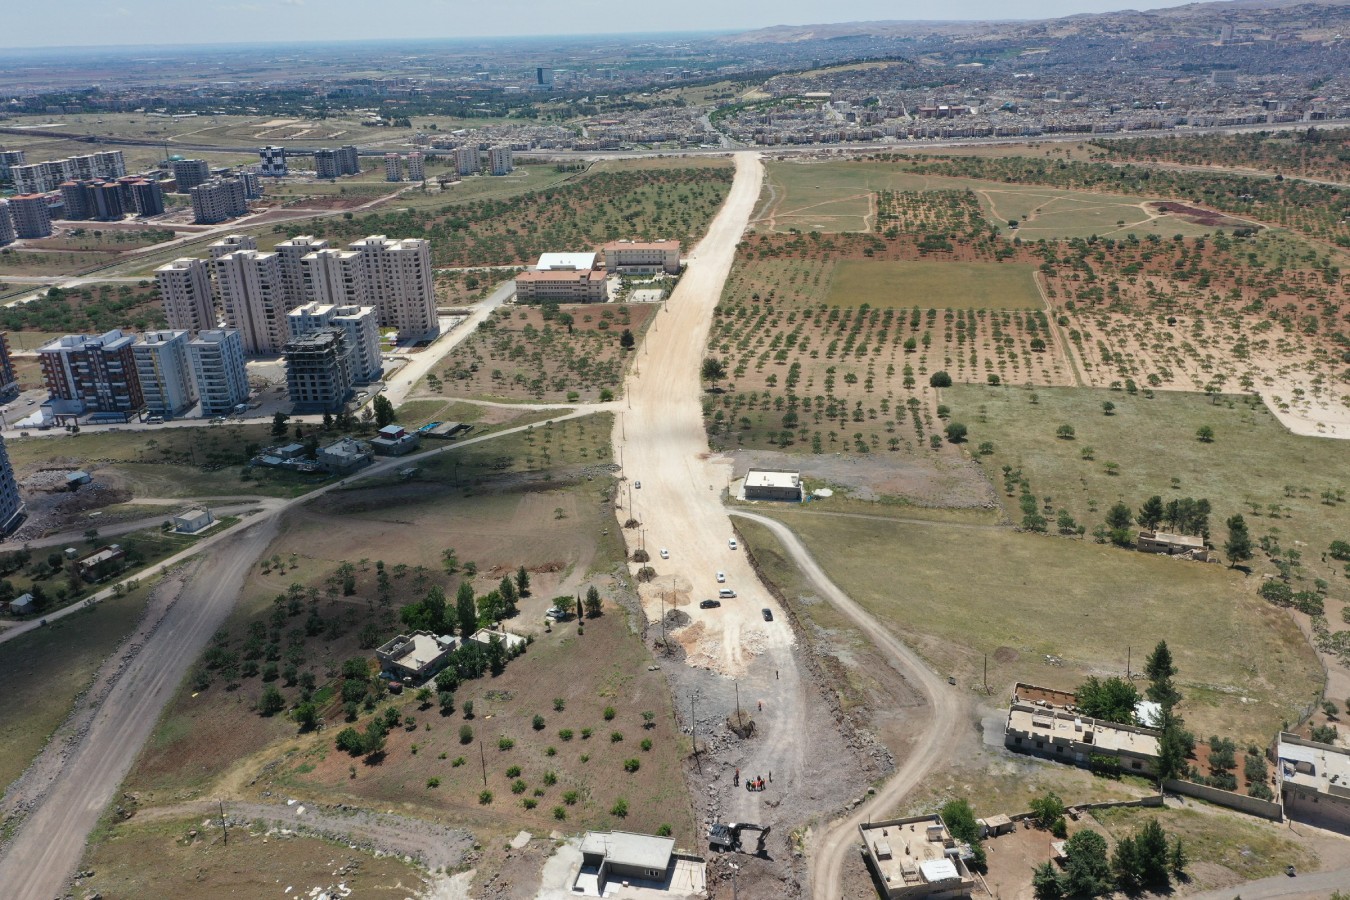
{"x": 754, "y": 784}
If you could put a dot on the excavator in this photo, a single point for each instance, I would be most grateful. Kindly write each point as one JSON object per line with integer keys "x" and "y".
{"x": 728, "y": 837}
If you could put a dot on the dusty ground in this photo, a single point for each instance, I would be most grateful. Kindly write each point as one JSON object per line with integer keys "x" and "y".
{"x": 932, "y": 480}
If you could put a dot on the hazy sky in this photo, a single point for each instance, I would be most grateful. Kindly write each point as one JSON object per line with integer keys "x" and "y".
{"x": 101, "y": 22}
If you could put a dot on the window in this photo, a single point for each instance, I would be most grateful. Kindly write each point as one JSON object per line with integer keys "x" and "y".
{"x": 1136, "y": 765}
{"x": 1040, "y": 745}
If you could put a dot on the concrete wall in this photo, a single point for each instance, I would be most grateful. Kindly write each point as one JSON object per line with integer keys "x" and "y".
{"x": 1266, "y": 809}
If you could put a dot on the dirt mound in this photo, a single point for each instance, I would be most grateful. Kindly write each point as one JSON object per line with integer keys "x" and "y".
{"x": 1005, "y": 655}
{"x": 1197, "y": 215}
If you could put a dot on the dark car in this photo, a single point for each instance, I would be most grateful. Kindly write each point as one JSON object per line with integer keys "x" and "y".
{"x": 710, "y": 604}
{"x": 768, "y": 614}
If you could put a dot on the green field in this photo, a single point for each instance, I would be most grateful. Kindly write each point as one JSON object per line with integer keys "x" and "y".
{"x": 47, "y": 667}
{"x": 960, "y": 592}
{"x": 940, "y": 285}
{"x": 1252, "y": 460}
{"x": 836, "y": 197}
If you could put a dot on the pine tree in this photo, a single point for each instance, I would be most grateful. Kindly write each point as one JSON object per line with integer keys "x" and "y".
{"x": 465, "y": 612}
{"x": 508, "y": 592}
{"x": 1238, "y": 547}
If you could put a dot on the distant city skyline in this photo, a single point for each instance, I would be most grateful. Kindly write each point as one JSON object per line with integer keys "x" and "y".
{"x": 159, "y": 22}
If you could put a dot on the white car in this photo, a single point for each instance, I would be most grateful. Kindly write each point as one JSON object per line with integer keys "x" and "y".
{"x": 721, "y": 577}
{"x": 732, "y": 543}
{"x": 665, "y": 554}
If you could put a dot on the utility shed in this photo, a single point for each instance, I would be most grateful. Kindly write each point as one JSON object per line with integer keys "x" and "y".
{"x": 191, "y": 521}
{"x": 624, "y": 856}
{"x": 773, "y": 484}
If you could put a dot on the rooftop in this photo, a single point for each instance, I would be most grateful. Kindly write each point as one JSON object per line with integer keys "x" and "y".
{"x": 1052, "y": 724}
{"x": 911, "y": 852}
{"x": 777, "y": 478}
{"x": 563, "y": 275}
{"x": 1179, "y": 540}
{"x": 643, "y": 851}
{"x": 556, "y": 261}
{"x": 1319, "y": 767}
{"x": 642, "y": 245}
{"x": 416, "y": 650}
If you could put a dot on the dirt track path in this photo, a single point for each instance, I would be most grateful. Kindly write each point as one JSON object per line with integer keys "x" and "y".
{"x": 946, "y": 713}
{"x": 51, "y": 841}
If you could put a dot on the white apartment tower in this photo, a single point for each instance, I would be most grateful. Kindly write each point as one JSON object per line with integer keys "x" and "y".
{"x": 417, "y": 169}
{"x": 500, "y": 161}
{"x": 231, "y": 243}
{"x": 251, "y": 295}
{"x": 360, "y": 327}
{"x": 393, "y": 167}
{"x": 400, "y": 278}
{"x": 11, "y": 503}
{"x": 217, "y": 359}
{"x": 289, "y": 256}
{"x": 185, "y": 291}
{"x": 336, "y": 278}
{"x": 165, "y": 373}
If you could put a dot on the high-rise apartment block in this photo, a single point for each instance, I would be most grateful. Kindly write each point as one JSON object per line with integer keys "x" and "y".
{"x": 290, "y": 256}
{"x": 400, "y": 278}
{"x": 185, "y": 291}
{"x": 231, "y": 243}
{"x": 273, "y": 161}
{"x": 393, "y": 167}
{"x": 7, "y": 233}
{"x": 9, "y": 382}
{"x": 500, "y": 161}
{"x": 164, "y": 372}
{"x": 32, "y": 218}
{"x": 318, "y": 371}
{"x": 252, "y": 297}
{"x": 147, "y": 197}
{"x": 188, "y": 173}
{"x": 11, "y": 502}
{"x": 217, "y": 200}
{"x": 88, "y": 373}
{"x": 37, "y": 178}
{"x": 97, "y": 199}
{"x": 359, "y": 326}
{"x": 252, "y": 185}
{"x": 9, "y": 159}
{"x": 337, "y": 278}
{"x": 417, "y": 167}
{"x": 467, "y": 161}
{"x": 217, "y": 360}
{"x": 335, "y": 163}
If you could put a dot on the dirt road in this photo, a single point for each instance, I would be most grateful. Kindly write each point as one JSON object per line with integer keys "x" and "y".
{"x": 946, "y": 714}
{"x": 51, "y": 842}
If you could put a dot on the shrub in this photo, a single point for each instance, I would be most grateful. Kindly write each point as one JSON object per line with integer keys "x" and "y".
{"x": 615, "y": 737}
{"x": 457, "y": 762}
{"x": 559, "y": 704}
{"x": 559, "y": 813}
{"x": 570, "y": 798}
{"x": 565, "y": 734}
{"x": 586, "y": 733}
{"x": 518, "y": 786}
{"x": 529, "y": 802}
{"x": 513, "y": 772}
{"x": 537, "y": 723}
{"x": 485, "y": 797}
{"x": 505, "y": 743}
{"x": 646, "y": 744}
{"x": 631, "y": 765}
{"x": 663, "y": 831}
{"x": 609, "y": 713}
{"x": 939, "y": 379}
{"x": 465, "y": 733}
{"x": 433, "y": 782}
{"x": 619, "y": 809}
{"x": 550, "y": 778}
{"x": 550, "y": 751}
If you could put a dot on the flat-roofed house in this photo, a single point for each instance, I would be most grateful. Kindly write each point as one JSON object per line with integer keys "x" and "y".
{"x": 916, "y": 857}
{"x": 773, "y": 484}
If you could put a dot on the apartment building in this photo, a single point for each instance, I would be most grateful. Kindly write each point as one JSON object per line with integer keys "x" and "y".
{"x": 400, "y": 278}
{"x": 417, "y": 166}
{"x": 9, "y": 159}
{"x": 147, "y": 197}
{"x": 360, "y": 329}
{"x": 249, "y": 284}
{"x": 217, "y": 200}
{"x": 185, "y": 292}
{"x": 1314, "y": 781}
{"x": 217, "y": 360}
{"x": 1077, "y": 739}
{"x": 92, "y": 374}
{"x": 336, "y": 278}
{"x": 318, "y": 371}
{"x": 467, "y": 161}
{"x": 289, "y": 258}
{"x": 335, "y": 163}
{"x": 273, "y": 161}
{"x": 32, "y": 218}
{"x": 643, "y": 257}
{"x": 11, "y": 501}
{"x": 164, "y": 372}
{"x": 9, "y": 382}
{"x": 252, "y": 185}
{"x": 500, "y": 161}
{"x": 188, "y": 173}
{"x": 7, "y": 233}
{"x": 37, "y": 178}
{"x": 231, "y": 243}
{"x": 393, "y": 168}
{"x": 96, "y": 199}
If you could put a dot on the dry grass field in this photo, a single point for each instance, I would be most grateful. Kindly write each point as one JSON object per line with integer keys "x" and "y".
{"x": 945, "y": 285}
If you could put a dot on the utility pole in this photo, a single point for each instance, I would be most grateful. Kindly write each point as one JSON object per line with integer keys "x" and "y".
{"x": 986, "y": 674}
{"x": 737, "y": 685}
{"x": 693, "y": 730}
{"x": 483, "y": 758}
{"x": 1129, "y": 652}
{"x": 224, "y": 828}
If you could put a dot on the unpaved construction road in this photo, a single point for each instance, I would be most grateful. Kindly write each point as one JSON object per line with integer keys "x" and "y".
{"x": 51, "y": 841}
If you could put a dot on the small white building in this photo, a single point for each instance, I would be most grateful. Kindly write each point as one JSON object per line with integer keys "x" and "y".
{"x": 773, "y": 484}
{"x": 22, "y": 605}
{"x": 192, "y": 521}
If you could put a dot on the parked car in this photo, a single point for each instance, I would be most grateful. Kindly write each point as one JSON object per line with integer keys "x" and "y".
{"x": 721, "y": 577}
{"x": 665, "y": 554}
{"x": 637, "y": 484}
{"x": 768, "y": 614}
{"x": 732, "y": 543}
{"x": 726, "y": 592}
{"x": 710, "y": 604}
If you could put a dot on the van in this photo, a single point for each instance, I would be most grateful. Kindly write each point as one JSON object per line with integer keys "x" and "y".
{"x": 726, "y": 593}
